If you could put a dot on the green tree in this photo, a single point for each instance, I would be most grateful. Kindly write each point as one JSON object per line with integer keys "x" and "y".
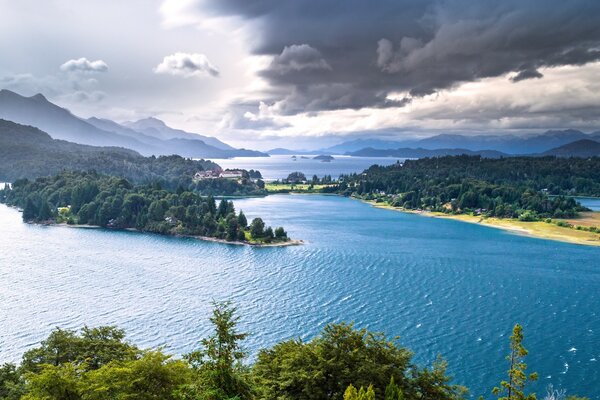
{"x": 324, "y": 367}
{"x": 154, "y": 376}
{"x": 514, "y": 388}
{"x": 220, "y": 373}
{"x": 257, "y": 228}
{"x": 53, "y": 382}
{"x": 11, "y": 382}
{"x": 243, "y": 222}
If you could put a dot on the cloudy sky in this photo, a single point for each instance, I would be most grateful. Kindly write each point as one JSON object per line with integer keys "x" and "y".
{"x": 267, "y": 73}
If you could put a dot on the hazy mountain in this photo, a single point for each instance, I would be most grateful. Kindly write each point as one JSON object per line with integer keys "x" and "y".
{"x": 287, "y": 152}
{"x": 580, "y": 148}
{"x": 58, "y": 122}
{"x": 510, "y": 144}
{"x": 61, "y": 124}
{"x": 156, "y": 128}
{"x": 421, "y": 153}
{"x": 359, "y": 144}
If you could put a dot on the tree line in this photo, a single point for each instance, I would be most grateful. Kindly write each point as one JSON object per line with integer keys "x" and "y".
{"x": 526, "y": 187}
{"x": 342, "y": 363}
{"x": 112, "y": 202}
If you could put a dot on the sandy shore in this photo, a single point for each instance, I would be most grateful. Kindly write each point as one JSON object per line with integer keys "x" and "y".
{"x": 542, "y": 230}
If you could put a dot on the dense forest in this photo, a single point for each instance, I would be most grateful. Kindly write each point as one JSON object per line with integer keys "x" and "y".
{"x": 113, "y": 202}
{"x": 342, "y": 363}
{"x": 524, "y": 187}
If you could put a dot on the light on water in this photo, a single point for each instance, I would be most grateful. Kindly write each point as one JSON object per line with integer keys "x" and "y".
{"x": 279, "y": 166}
{"x": 445, "y": 287}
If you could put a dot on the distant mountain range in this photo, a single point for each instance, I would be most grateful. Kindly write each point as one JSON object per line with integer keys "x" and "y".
{"x": 421, "y": 153}
{"x": 445, "y": 144}
{"x": 148, "y": 136}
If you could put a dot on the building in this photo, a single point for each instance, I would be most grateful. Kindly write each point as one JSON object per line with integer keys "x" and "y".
{"x": 232, "y": 174}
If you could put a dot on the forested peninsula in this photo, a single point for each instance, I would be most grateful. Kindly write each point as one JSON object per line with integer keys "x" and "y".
{"x": 342, "y": 363}
{"x": 89, "y": 198}
{"x": 527, "y": 195}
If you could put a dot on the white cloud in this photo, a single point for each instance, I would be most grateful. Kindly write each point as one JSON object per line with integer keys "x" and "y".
{"x": 84, "y": 65}
{"x": 186, "y": 65}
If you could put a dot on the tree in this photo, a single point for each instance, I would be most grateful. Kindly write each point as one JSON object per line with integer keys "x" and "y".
{"x": 218, "y": 362}
{"x": 517, "y": 377}
{"x": 154, "y": 376}
{"x": 94, "y": 347}
{"x": 324, "y": 367}
{"x": 242, "y": 221}
{"x": 11, "y": 382}
{"x": 296, "y": 177}
{"x": 280, "y": 234}
{"x": 30, "y": 211}
{"x": 257, "y": 228}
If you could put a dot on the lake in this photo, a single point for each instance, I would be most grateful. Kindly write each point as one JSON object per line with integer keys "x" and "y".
{"x": 279, "y": 166}
{"x": 444, "y": 286}
{"x": 593, "y": 203}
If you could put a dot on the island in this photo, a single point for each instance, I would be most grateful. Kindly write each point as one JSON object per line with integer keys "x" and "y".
{"x": 89, "y": 199}
{"x": 324, "y": 158}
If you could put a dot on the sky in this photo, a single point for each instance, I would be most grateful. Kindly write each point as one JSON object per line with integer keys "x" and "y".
{"x": 308, "y": 73}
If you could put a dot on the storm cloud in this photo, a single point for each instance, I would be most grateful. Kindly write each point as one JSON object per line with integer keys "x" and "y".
{"x": 353, "y": 54}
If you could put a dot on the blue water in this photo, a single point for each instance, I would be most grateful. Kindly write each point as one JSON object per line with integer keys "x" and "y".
{"x": 593, "y": 203}
{"x": 279, "y": 167}
{"x": 444, "y": 286}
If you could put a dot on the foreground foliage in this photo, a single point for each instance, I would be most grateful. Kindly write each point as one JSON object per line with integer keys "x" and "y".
{"x": 342, "y": 363}
{"x": 93, "y": 199}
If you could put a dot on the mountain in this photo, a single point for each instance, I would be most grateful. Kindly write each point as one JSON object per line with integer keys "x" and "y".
{"x": 156, "y": 128}
{"x": 422, "y": 153}
{"x": 510, "y": 144}
{"x": 58, "y": 122}
{"x": 280, "y": 151}
{"x": 579, "y": 148}
{"x": 27, "y": 152}
{"x": 61, "y": 124}
{"x": 359, "y": 144}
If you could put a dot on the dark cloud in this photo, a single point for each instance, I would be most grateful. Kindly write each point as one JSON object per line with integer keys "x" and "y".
{"x": 527, "y": 74}
{"x": 376, "y": 48}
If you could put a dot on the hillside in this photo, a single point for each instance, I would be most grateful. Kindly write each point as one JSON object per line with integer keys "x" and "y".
{"x": 27, "y": 152}
{"x": 61, "y": 124}
{"x": 580, "y": 148}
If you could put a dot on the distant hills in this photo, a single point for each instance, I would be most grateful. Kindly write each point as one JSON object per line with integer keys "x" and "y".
{"x": 421, "y": 153}
{"x": 492, "y": 146}
{"x": 27, "y": 152}
{"x": 149, "y": 136}
{"x": 579, "y": 148}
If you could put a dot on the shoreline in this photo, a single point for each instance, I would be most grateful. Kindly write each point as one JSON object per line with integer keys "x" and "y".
{"x": 291, "y": 242}
{"x": 537, "y": 229}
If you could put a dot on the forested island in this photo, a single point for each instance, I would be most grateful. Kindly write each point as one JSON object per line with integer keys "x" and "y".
{"x": 342, "y": 363}
{"x": 89, "y": 198}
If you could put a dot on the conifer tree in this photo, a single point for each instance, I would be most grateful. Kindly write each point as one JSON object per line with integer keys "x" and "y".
{"x": 514, "y": 388}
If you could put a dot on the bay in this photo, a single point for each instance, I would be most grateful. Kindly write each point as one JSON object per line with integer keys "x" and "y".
{"x": 444, "y": 286}
{"x": 280, "y": 166}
